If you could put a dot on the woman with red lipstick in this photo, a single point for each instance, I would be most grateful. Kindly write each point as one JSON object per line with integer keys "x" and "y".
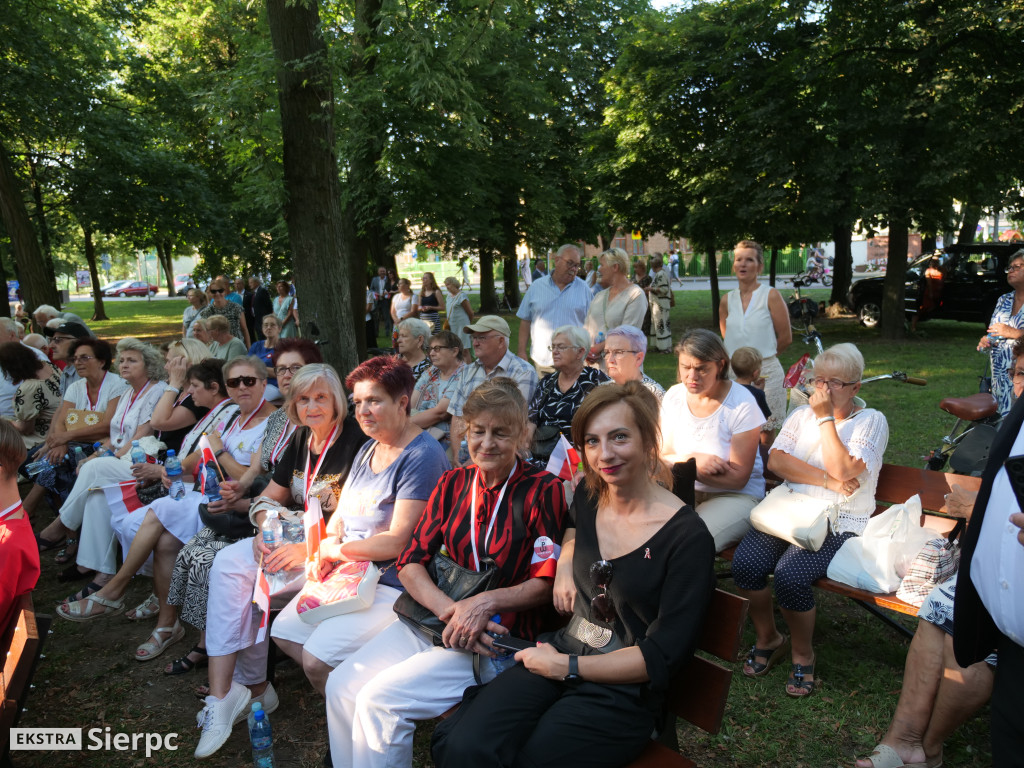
{"x": 717, "y": 422}
{"x": 641, "y": 563}
{"x": 755, "y": 315}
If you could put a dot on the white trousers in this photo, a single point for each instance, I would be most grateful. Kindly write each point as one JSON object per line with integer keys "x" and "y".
{"x": 727, "y": 516}
{"x": 232, "y": 620}
{"x": 88, "y": 513}
{"x": 334, "y": 640}
{"x": 375, "y": 698}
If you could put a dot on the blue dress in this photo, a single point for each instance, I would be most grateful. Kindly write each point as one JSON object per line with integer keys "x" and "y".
{"x": 1001, "y": 352}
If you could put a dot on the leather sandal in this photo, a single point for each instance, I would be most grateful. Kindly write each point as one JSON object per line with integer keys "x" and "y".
{"x": 797, "y": 680}
{"x": 45, "y": 545}
{"x": 82, "y": 610}
{"x": 185, "y": 664}
{"x": 773, "y": 656}
{"x": 71, "y": 573}
{"x": 147, "y": 609}
{"x": 68, "y": 553}
{"x": 150, "y": 650}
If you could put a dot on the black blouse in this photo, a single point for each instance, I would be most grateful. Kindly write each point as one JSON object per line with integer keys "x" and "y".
{"x": 551, "y": 406}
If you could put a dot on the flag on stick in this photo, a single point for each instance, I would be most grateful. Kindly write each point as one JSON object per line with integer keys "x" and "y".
{"x": 208, "y": 456}
{"x": 316, "y": 530}
{"x": 122, "y": 497}
{"x": 261, "y": 599}
{"x": 564, "y": 459}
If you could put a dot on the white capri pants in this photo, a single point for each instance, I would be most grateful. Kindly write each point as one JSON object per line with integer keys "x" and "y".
{"x": 334, "y": 640}
{"x": 232, "y": 620}
{"x": 727, "y": 516}
{"x": 179, "y": 517}
{"x": 376, "y": 697}
{"x": 88, "y": 513}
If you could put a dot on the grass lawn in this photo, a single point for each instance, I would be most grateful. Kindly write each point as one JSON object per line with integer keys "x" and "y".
{"x": 88, "y": 679}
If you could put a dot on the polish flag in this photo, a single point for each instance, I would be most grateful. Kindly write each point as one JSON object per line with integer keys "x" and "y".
{"x": 207, "y": 449}
{"x": 795, "y": 371}
{"x": 316, "y": 530}
{"x": 122, "y": 498}
{"x": 564, "y": 459}
{"x": 261, "y": 599}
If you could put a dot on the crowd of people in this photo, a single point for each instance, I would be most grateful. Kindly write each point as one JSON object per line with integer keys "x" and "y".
{"x": 429, "y": 462}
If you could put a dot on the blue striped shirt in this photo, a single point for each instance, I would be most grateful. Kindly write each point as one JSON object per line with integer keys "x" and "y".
{"x": 547, "y": 307}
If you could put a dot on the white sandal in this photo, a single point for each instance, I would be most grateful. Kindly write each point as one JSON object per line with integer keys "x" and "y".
{"x": 82, "y": 610}
{"x": 152, "y": 650}
{"x": 147, "y": 609}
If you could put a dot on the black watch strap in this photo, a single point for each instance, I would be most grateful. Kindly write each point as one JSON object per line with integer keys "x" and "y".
{"x": 574, "y": 670}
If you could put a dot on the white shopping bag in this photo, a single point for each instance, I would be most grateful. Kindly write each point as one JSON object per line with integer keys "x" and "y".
{"x": 877, "y": 559}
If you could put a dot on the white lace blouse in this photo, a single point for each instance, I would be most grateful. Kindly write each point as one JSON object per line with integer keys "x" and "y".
{"x": 865, "y": 435}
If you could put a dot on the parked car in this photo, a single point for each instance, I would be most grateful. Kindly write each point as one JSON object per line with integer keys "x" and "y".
{"x": 182, "y": 283}
{"x": 973, "y": 277}
{"x": 113, "y": 287}
{"x": 132, "y": 288}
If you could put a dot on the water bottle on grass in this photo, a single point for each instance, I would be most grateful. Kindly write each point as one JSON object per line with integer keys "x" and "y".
{"x": 262, "y": 739}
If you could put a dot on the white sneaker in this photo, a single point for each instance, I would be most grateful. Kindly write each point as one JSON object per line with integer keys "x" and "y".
{"x": 268, "y": 699}
{"x": 218, "y": 716}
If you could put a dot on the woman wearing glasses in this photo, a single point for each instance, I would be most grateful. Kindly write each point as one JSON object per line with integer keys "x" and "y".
{"x": 718, "y": 423}
{"x": 499, "y": 508}
{"x": 624, "y": 351}
{"x": 1006, "y": 327}
{"x": 435, "y": 386}
{"x": 219, "y": 305}
{"x": 832, "y": 449}
{"x": 642, "y": 566}
{"x": 560, "y": 393}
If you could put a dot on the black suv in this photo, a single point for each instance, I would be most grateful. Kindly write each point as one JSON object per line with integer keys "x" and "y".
{"x": 973, "y": 277}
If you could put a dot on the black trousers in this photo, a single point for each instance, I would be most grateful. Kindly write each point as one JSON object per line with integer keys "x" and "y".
{"x": 524, "y": 720}
{"x": 1008, "y": 707}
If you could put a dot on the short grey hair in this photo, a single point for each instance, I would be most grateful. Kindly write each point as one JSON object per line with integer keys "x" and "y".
{"x": 9, "y": 324}
{"x": 151, "y": 357}
{"x": 417, "y": 327}
{"x": 845, "y": 359}
{"x": 636, "y": 338}
{"x": 578, "y": 336}
{"x": 566, "y": 248}
{"x": 308, "y": 377}
{"x": 46, "y": 309}
{"x": 705, "y": 346}
{"x": 257, "y": 365}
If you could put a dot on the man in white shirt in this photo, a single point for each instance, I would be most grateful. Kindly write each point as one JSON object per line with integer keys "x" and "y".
{"x": 554, "y": 300}
{"x": 490, "y": 336}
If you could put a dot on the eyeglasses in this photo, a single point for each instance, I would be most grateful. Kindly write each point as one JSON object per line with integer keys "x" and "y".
{"x": 216, "y": 290}
{"x": 281, "y": 370}
{"x": 63, "y": 338}
{"x": 1015, "y": 267}
{"x": 1015, "y": 373}
{"x": 601, "y": 577}
{"x": 82, "y": 358}
{"x": 571, "y": 264}
{"x": 438, "y": 348}
{"x": 249, "y": 381}
{"x": 830, "y": 383}
{"x": 562, "y": 347}
{"x": 615, "y": 353}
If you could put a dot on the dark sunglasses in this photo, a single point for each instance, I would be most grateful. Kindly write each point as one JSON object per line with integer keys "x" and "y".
{"x": 249, "y": 381}
{"x": 216, "y": 290}
{"x": 601, "y": 577}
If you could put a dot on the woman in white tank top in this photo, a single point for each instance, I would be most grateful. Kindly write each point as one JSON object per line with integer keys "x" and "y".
{"x": 755, "y": 315}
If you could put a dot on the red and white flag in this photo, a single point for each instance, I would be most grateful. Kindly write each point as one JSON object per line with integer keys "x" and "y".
{"x": 122, "y": 498}
{"x": 261, "y": 599}
{"x": 207, "y": 449}
{"x": 316, "y": 530}
{"x": 564, "y": 459}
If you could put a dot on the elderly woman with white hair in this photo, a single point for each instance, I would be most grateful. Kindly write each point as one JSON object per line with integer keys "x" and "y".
{"x": 620, "y": 303}
{"x": 413, "y": 335}
{"x": 625, "y": 348}
{"x": 831, "y": 449}
{"x": 561, "y": 392}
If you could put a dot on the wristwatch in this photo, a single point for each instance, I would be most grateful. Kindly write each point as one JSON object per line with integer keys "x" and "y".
{"x": 216, "y": 454}
{"x": 574, "y": 670}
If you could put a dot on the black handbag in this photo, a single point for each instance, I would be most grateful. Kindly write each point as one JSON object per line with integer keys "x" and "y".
{"x": 455, "y": 581}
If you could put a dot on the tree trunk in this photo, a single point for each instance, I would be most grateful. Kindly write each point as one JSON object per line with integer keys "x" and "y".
{"x": 165, "y": 258}
{"x": 36, "y": 286}
{"x": 969, "y": 225}
{"x": 44, "y": 229}
{"x": 842, "y": 266}
{"x": 320, "y": 251}
{"x": 773, "y": 265}
{"x": 715, "y": 294}
{"x": 929, "y": 242}
{"x": 98, "y": 311}
{"x": 893, "y": 306}
{"x": 488, "y": 302}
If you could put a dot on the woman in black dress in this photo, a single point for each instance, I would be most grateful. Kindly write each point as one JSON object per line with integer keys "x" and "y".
{"x": 642, "y": 568}
{"x": 428, "y": 303}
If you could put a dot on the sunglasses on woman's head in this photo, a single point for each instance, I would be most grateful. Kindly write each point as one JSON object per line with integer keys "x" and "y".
{"x": 601, "y": 577}
{"x": 249, "y": 381}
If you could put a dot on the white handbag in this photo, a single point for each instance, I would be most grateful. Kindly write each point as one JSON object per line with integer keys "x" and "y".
{"x": 795, "y": 517}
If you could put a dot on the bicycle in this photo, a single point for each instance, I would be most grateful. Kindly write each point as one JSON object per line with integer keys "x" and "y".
{"x": 803, "y": 311}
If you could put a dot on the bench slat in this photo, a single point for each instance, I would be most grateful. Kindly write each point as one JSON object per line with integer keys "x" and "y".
{"x": 896, "y": 484}
{"x": 699, "y": 693}
{"x": 723, "y": 627}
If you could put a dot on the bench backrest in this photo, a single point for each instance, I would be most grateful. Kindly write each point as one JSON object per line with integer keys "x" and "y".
{"x": 896, "y": 484}
{"x": 19, "y": 647}
{"x": 700, "y": 691}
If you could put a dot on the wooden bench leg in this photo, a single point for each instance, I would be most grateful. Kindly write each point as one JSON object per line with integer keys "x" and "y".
{"x": 878, "y": 614}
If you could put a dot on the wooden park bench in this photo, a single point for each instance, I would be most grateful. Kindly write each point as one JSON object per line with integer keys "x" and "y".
{"x": 896, "y": 484}
{"x": 20, "y": 646}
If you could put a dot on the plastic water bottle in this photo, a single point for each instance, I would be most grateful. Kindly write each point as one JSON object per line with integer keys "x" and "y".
{"x": 36, "y": 467}
{"x": 212, "y": 486}
{"x": 172, "y": 466}
{"x": 598, "y": 341}
{"x": 138, "y": 455}
{"x": 504, "y": 659}
{"x": 273, "y": 530}
{"x": 100, "y": 451}
{"x": 463, "y": 452}
{"x": 79, "y": 455}
{"x": 262, "y": 739}
{"x": 256, "y": 707}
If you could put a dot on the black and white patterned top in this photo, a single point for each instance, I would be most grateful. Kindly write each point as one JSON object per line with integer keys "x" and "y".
{"x": 552, "y": 407}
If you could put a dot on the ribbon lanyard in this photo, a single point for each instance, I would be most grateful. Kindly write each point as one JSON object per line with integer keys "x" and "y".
{"x": 99, "y": 389}
{"x": 494, "y": 514}
{"x": 241, "y": 427}
{"x": 203, "y": 423}
{"x": 282, "y": 442}
{"x": 308, "y": 479}
{"x": 4, "y": 514}
{"x": 131, "y": 404}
